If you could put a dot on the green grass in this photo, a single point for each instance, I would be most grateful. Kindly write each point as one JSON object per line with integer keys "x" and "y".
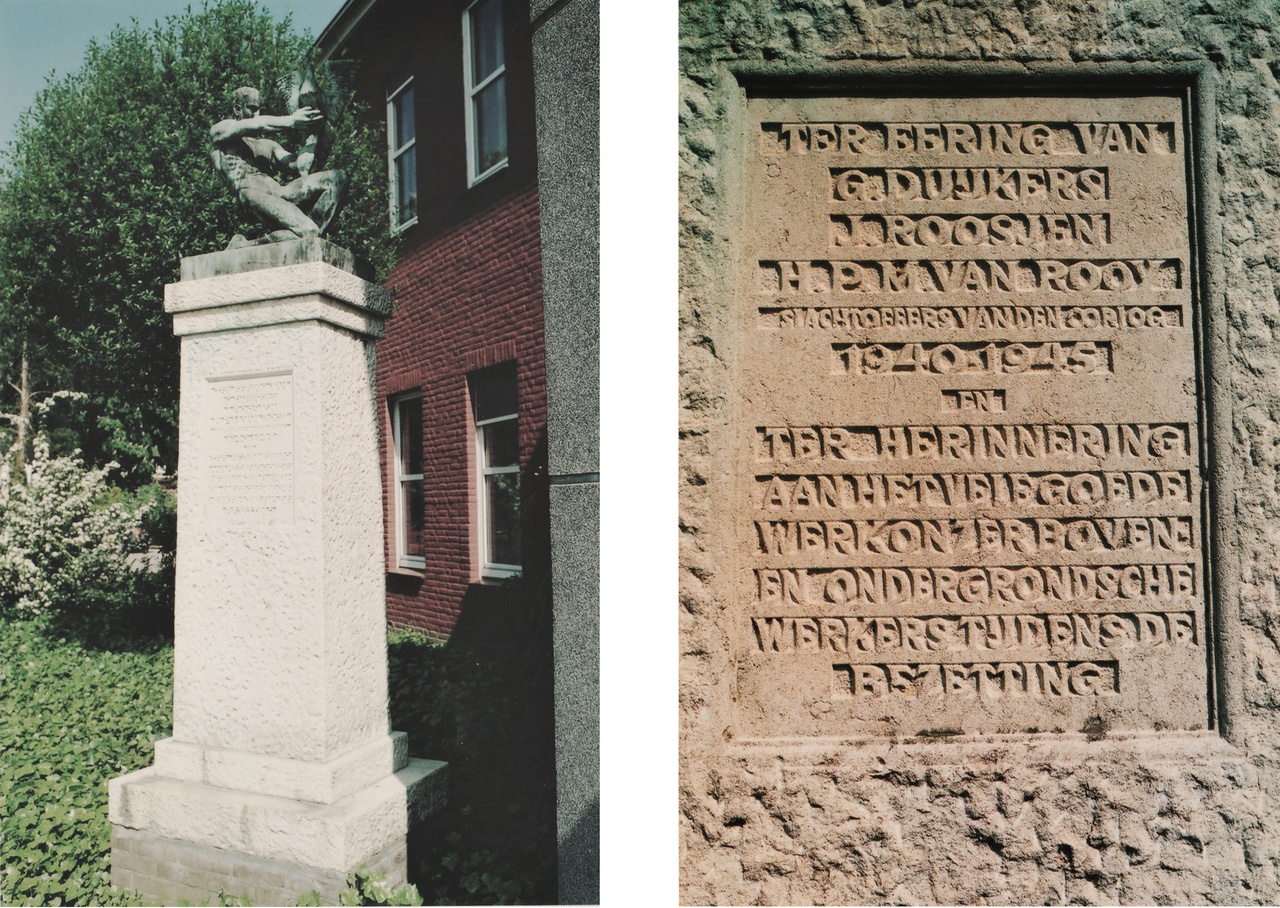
{"x": 73, "y": 716}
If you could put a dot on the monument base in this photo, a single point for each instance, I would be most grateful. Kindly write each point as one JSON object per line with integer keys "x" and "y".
{"x": 174, "y": 839}
{"x": 172, "y": 872}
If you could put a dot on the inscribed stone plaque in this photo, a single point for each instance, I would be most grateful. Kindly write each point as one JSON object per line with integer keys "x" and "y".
{"x": 250, "y": 449}
{"x": 970, "y": 495}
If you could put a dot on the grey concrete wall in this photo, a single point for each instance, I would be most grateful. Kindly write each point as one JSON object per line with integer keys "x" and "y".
{"x": 1041, "y": 819}
{"x": 566, "y": 49}
{"x": 575, "y": 532}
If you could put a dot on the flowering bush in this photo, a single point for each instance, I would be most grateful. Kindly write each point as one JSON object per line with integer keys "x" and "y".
{"x": 60, "y": 541}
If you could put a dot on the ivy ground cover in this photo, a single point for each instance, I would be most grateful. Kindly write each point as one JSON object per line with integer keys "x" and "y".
{"x": 71, "y": 718}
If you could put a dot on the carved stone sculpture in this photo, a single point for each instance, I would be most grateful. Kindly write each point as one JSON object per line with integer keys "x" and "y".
{"x": 249, "y": 160}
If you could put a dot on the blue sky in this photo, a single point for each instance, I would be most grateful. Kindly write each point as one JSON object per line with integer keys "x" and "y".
{"x": 39, "y": 36}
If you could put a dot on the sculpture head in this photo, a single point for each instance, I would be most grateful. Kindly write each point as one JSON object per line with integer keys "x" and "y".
{"x": 245, "y": 103}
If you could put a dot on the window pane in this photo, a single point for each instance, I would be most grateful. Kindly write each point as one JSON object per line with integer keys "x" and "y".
{"x": 504, "y": 517}
{"x": 407, "y": 185}
{"x": 493, "y": 391}
{"x": 403, "y": 105}
{"x": 410, "y": 435}
{"x": 414, "y": 520}
{"x": 501, "y": 444}
{"x": 491, "y": 125}
{"x": 486, "y": 39}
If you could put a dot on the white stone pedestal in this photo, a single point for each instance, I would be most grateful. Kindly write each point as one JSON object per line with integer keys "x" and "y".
{"x": 281, "y": 770}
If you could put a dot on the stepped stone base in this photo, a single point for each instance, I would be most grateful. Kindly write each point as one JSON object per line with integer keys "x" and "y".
{"x": 180, "y": 840}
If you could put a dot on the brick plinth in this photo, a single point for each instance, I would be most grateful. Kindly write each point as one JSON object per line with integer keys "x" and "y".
{"x": 171, "y": 871}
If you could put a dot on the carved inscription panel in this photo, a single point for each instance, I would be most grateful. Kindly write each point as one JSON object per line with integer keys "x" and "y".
{"x": 970, "y": 496}
{"x": 250, "y": 450}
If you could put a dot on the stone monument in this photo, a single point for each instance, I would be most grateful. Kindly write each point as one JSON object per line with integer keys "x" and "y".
{"x": 281, "y": 775}
{"x": 969, "y": 583}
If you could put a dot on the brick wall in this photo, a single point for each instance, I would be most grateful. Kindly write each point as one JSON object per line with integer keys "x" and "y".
{"x": 169, "y": 872}
{"x": 469, "y": 298}
{"x": 468, "y": 295}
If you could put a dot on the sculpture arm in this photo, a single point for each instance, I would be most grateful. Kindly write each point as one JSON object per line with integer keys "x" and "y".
{"x": 253, "y": 127}
{"x": 286, "y": 162}
{"x": 307, "y": 154}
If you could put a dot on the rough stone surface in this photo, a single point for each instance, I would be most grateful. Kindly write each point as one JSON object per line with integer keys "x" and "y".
{"x": 272, "y": 255}
{"x": 336, "y": 836}
{"x": 314, "y": 282}
{"x": 324, "y": 783}
{"x": 1091, "y": 817}
{"x": 279, "y": 626}
{"x": 575, "y": 535}
{"x": 566, "y": 78}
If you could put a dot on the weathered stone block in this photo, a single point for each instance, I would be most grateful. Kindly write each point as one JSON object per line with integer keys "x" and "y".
{"x": 336, "y": 836}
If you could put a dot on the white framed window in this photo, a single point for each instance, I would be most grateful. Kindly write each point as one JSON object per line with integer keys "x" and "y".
{"x": 493, "y": 401}
{"x": 402, "y": 157}
{"x": 410, "y": 519}
{"x": 484, "y": 60}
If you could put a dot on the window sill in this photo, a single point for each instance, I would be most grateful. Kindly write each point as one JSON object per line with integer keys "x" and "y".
{"x": 509, "y": 580}
{"x": 396, "y": 230}
{"x": 495, "y": 169}
{"x": 402, "y": 571}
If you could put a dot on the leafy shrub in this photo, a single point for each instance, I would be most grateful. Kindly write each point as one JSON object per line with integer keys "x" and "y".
{"x": 72, "y": 718}
{"x": 158, "y": 516}
{"x": 64, "y": 535}
{"x": 57, "y": 539}
{"x": 364, "y": 889}
{"x": 142, "y": 604}
{"x": 487, "y": 713}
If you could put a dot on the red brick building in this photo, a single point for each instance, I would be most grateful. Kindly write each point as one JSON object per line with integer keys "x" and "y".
{"x": 490, "y": 422}
{"x": 461, "y": 372}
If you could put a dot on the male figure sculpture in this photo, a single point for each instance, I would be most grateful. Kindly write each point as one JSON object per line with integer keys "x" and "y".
{"x": 247, "y": 161}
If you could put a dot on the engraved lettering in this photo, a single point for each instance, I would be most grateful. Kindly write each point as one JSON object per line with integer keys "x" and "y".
{"x": 823, "y": 277}
{"x": 1014, "y": 519}
{"x": 966, "y": 318}
{"x": 968, "y": 138}
{"x": 249, "y": 450}
{"x": 1028, "y": 491}
{"x": 993, "y": 357}
{"x": 1015, "y": 584}
{"x": 1040, "y": 633}
{"x": 978, "y": 680}
{"x": 970, "y": 184}
{"x": 1036, "y": 231}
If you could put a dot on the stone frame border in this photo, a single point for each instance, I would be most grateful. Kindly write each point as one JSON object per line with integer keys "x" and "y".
{"x": 1197, "y": 82}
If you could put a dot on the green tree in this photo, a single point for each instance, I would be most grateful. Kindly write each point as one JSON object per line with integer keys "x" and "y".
{"x": 109, "y": 183}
